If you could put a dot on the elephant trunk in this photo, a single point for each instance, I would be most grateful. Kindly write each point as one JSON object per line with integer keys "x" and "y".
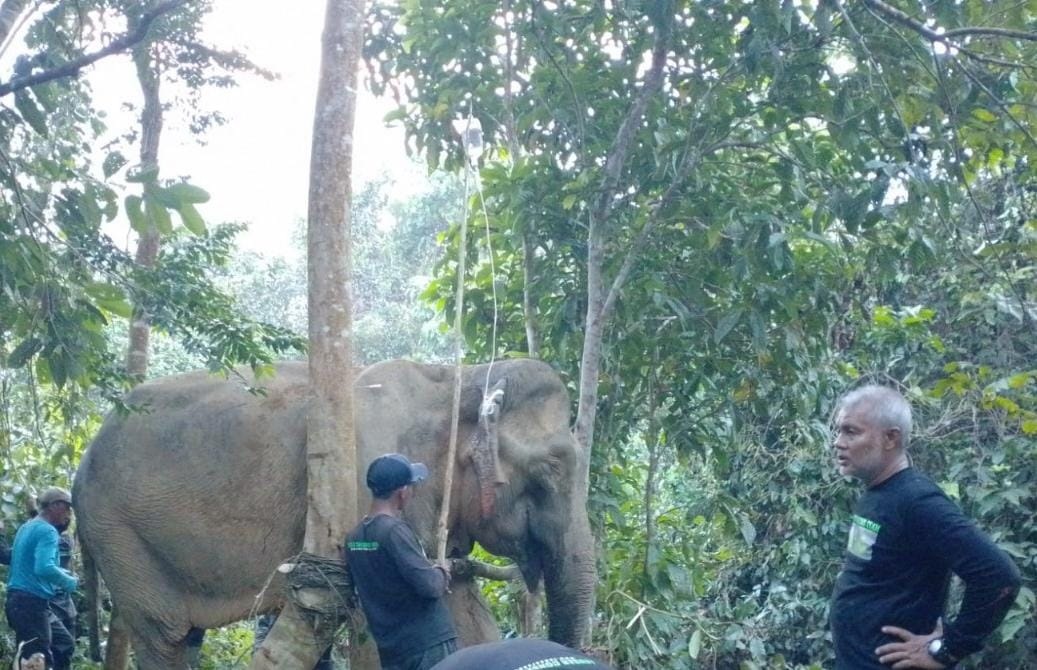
{"x": 484, "y": 450}
{"x": 569, "y": 581}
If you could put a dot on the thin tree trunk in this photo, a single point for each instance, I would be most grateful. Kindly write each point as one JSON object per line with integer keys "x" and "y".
{"x": 117, "y": 651}
{"x": 597, "y": 313}
{"x": 529, "y": 309}
{"x": 652, "y": 443}
{"x": 511, "y": 50}
{"x": 293, "y": 642}
{"x": 590, "y": 361}
{"x": 148, "y": 245}
{"x": 10, "y": 12}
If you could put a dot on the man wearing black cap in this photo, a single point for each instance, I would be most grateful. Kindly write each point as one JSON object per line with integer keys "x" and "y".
{"x": 400, "y": 590}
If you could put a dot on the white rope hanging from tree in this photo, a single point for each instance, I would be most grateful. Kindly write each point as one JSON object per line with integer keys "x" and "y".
{"x": 470, "y": 131}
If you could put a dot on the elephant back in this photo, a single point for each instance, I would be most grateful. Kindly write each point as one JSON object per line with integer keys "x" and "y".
{"x": 205, "y": 475}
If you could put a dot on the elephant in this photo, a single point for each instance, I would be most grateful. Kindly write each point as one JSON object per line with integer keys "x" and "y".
{"x": 188, "y": 505}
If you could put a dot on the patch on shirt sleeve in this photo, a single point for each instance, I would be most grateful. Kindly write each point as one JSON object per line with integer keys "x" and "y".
{"x": 863, "y": 533}
{"x": 363, "y": 546}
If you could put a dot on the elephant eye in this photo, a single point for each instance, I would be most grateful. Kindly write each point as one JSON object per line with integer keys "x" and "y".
{"x": 546, "y": 477}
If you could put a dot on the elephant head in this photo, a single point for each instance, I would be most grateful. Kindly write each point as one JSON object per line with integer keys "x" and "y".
{"x": 516, "y": 477}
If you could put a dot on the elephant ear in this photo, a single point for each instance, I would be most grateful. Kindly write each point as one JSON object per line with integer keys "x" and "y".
{"x": 483, "y": 448}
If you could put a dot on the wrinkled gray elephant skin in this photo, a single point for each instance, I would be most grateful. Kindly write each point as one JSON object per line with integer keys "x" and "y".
{"x": 189, "y": 506}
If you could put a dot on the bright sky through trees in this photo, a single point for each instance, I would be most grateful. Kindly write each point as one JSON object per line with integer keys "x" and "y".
{"x": 256, "y": 165}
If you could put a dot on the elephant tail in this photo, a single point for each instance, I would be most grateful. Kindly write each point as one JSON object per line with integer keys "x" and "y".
{"x": 91, "y": 593}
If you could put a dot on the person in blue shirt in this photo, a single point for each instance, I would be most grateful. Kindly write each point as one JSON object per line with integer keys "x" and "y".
{"x": 36, "y": 578}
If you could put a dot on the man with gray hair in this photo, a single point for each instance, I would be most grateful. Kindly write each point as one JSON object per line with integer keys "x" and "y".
{"x": 906, "y": 539}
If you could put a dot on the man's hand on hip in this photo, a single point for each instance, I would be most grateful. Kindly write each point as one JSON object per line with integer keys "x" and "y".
{"x": 911, "y": 652}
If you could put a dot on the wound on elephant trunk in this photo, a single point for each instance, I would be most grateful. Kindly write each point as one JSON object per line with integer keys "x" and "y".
{"x": 484, "y": 449}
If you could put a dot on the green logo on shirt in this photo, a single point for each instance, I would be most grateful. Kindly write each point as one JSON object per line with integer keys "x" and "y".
{"x": 556, "y": 662}
{"x": 863, "y": 533}
{"x": 363, "y": 546}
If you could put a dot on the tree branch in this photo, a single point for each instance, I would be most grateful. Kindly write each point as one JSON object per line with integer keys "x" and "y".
{"x": 684, "y": 169}
{"x": 949, "y": 35}
{"x": 581, "y": 122}
{"x": 981, "y": 31}
{"x": 117, "y": 45}
{"x": 464, "y": 567}
{"x": 621, "y": 146}
{"x": 10, "y": 13}
{"x": 997, "y": 101}
{"x": 687, "y": 164}
{"x": 882, "y": 78}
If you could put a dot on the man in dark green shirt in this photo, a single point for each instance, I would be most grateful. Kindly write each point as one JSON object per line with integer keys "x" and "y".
{"x": 400, "y": 590}
{"x": 906, "y": 539}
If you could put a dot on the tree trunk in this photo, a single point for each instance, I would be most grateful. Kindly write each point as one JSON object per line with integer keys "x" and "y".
{"x": 294, "y": 642}
{"x": 148, "y": 245}
{"x": 529, "y": 309}
{"x": 117, "y": 651}
{"x": 598, "y": 306}
{"x": 590, "y": 361}
{"x": 652, "y": 443}
{"x": 10, "y": 12}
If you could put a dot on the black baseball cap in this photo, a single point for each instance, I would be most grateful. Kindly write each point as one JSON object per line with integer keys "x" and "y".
{"x": 392, "y": 471}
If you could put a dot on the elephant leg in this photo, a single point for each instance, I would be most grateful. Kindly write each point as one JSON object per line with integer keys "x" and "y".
{"x": 150, "y": 607}
{"x": 531, "y": 613}
{"x": 155, "y": 652}
{"x": 193, "y": 642}
{"x": 117, "y": 650}
{"x": 472, "y": 617}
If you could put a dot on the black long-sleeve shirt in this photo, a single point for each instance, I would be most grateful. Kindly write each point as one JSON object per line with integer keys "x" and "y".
{"x": 906, "y": 538}
{"x": 400, "y": 591}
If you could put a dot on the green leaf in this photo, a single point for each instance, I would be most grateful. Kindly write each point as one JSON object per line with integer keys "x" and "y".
{"x": 139, "y": 176}
{"x": 103, "y": 291}
{"x": 116, "y": 306}
{"x": 161, "y": 195}
{"x": 30, "y": 112}
{"x": 398, "y": 114}
{"x": 984, "y": 115}
{"x": 883, "y": 317}
{"x": 158, "y": 215}
{"x": 185, "y": 193}
{"x": 192, "y": 219}
{"x": 695, "y": 644}
{"x": 748, "y": 530}
{"x": 113, "y": 162}
{"x": 1020, "y": 380}
{"x": 109, "y": 298}
{"x": 135, "y": 214}
{"x": 58, "y": 366}
{"x": 729, "y": 321}
{"x": 23, "y": 352}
